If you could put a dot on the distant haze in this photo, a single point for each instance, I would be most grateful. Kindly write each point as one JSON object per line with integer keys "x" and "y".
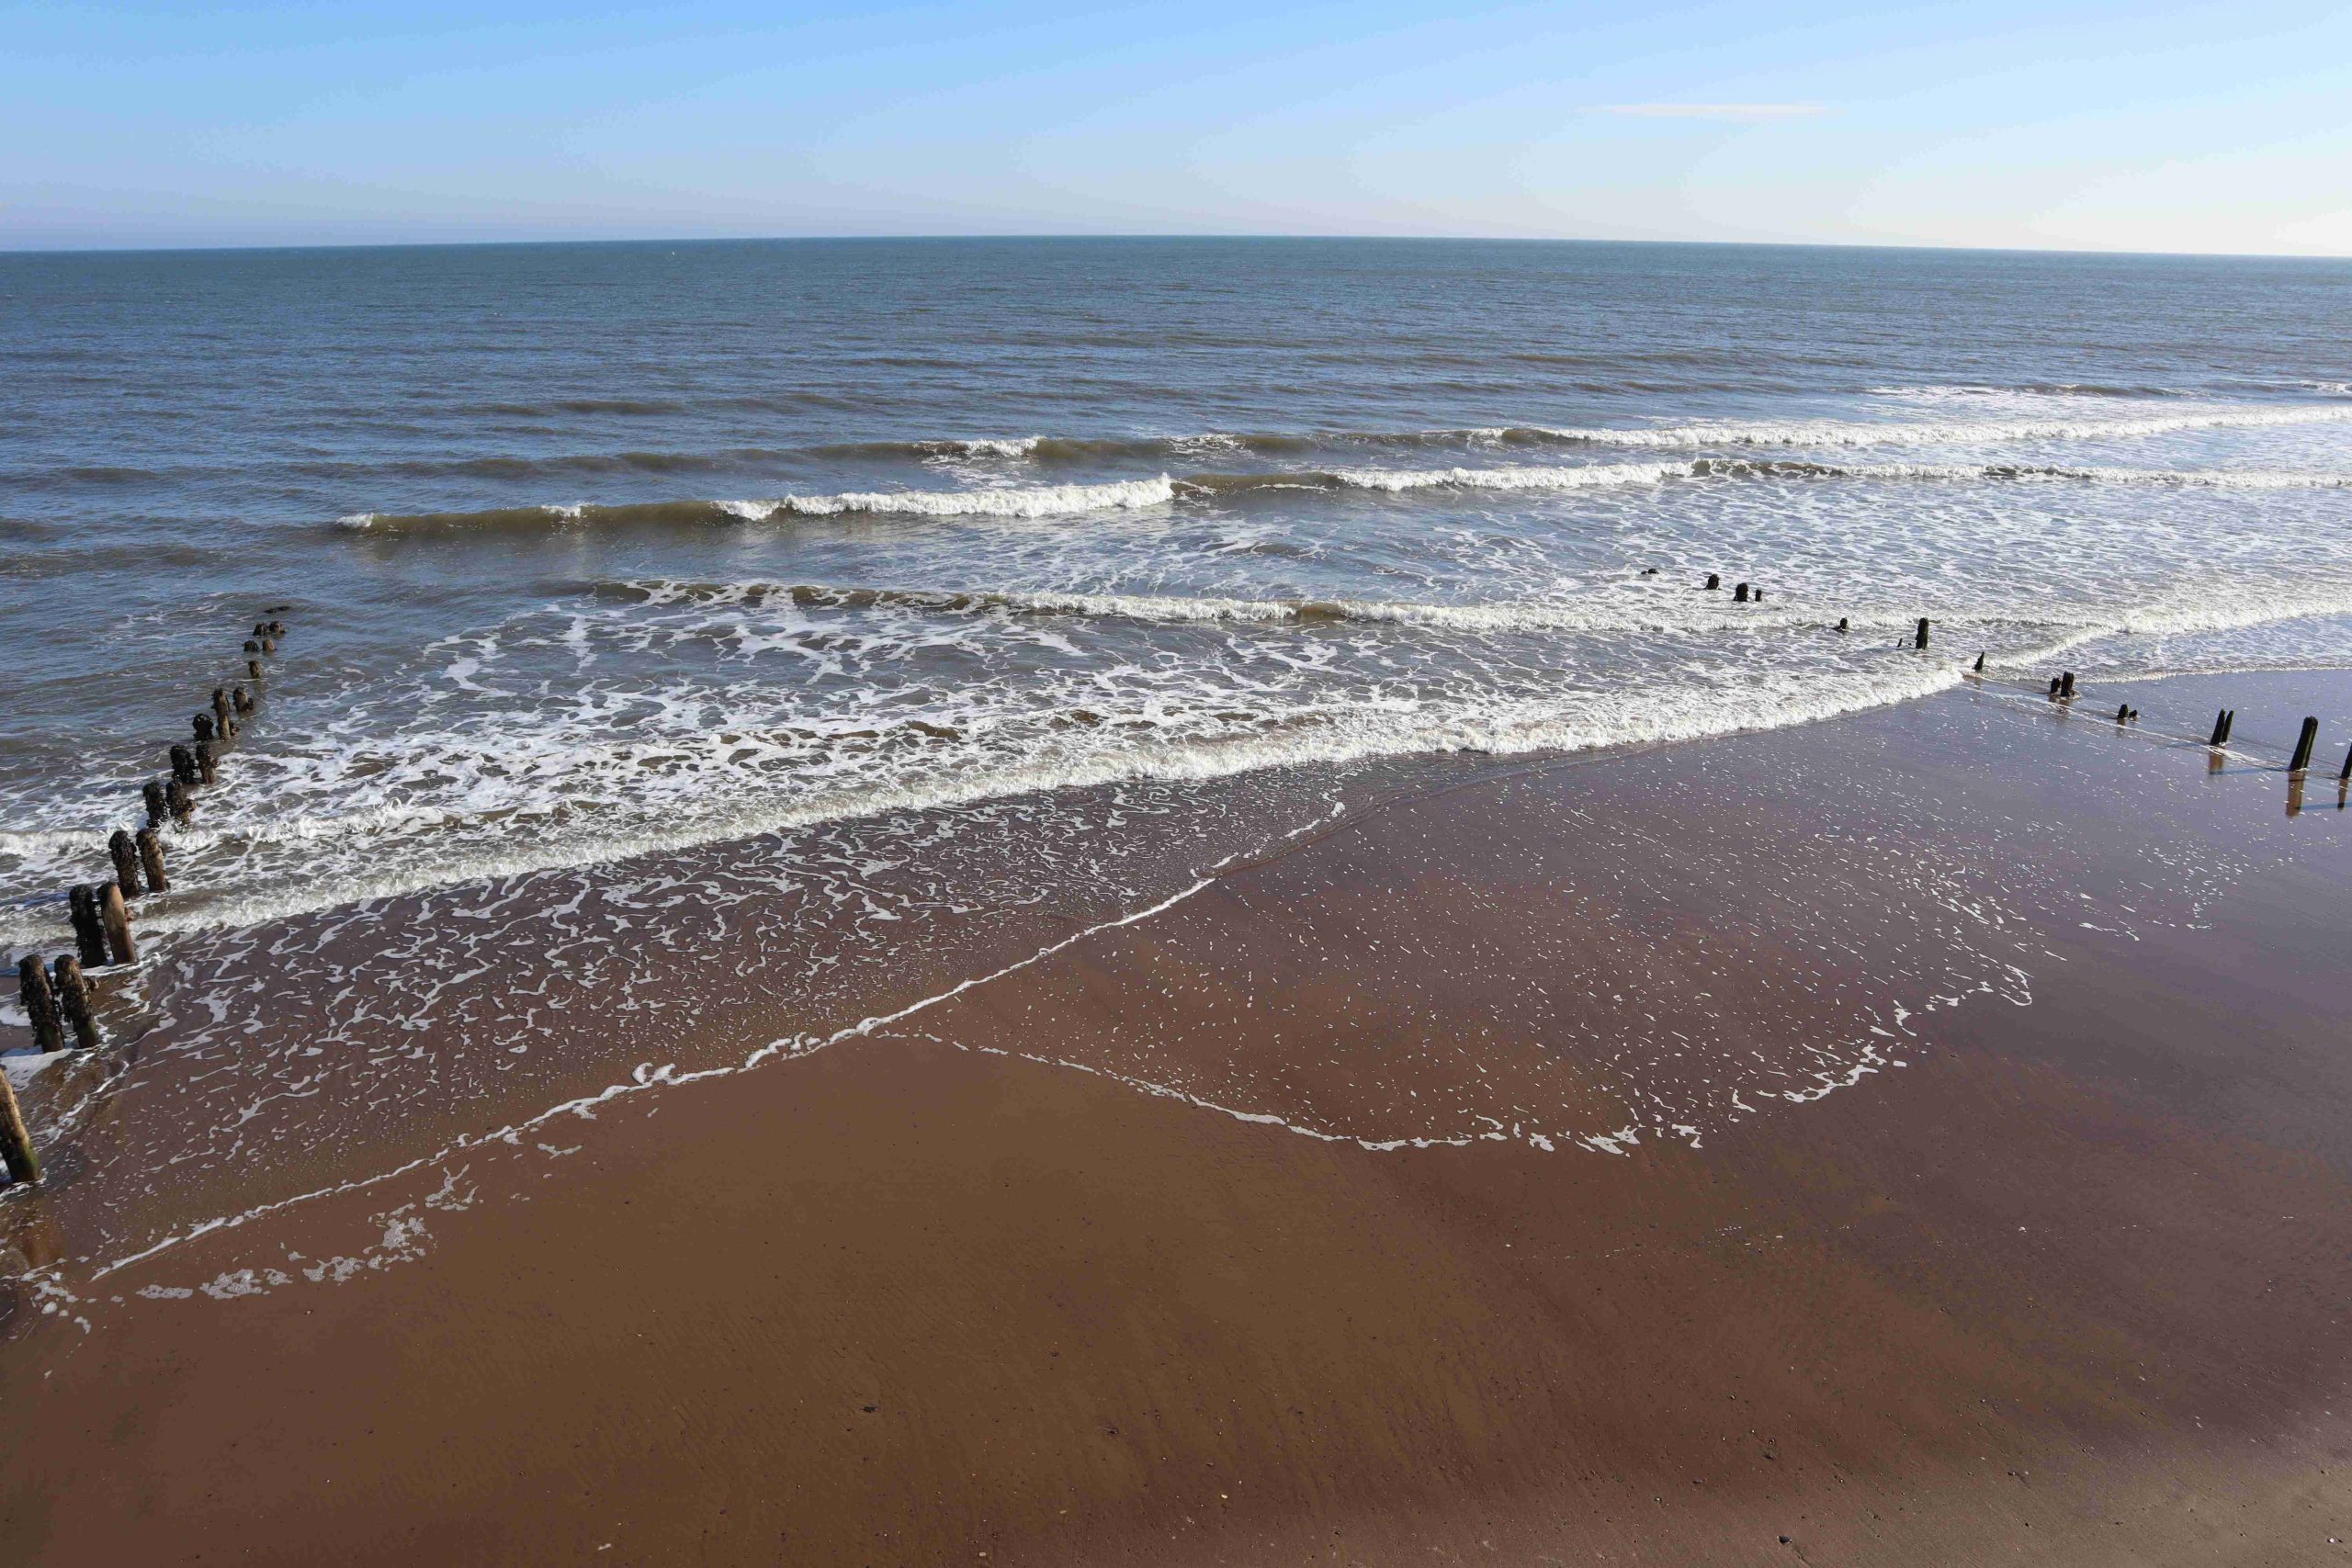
{"x": 2171, "y": 128}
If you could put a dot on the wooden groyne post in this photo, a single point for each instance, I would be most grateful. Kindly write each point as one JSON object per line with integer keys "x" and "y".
{"x": 89, "y": 931}
{"x": 73, "y": 1002}
{"x": 41, "y": 1004}
{"x": 150, "y": 860}
{"x": 125, "y": 855}
{"x": 1920, "y": 637}
{"x": 15, "y": 1143}
{"x": 2303, "y": 745}
{"x": 2223, "y": 722}
{"x": 116, "y": 918}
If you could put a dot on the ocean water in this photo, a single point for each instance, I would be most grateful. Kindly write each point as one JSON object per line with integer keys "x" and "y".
{"x": 700, "y": 651}
{"x": 592, "y": 549}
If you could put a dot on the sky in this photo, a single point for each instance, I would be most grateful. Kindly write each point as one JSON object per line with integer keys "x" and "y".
{"x": 2205, "y": 128}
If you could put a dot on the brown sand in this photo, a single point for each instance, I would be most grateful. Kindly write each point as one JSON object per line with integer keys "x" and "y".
{"x": 2069, "y": 1285}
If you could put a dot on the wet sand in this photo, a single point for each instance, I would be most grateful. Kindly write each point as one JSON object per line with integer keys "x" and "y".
{"x": 1918, "y": 1139}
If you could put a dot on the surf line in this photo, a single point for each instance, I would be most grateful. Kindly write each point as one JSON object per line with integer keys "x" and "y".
{"x": 792, "y": 1048}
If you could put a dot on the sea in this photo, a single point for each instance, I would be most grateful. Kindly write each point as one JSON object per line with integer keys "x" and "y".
{"x": 596, "y": 553}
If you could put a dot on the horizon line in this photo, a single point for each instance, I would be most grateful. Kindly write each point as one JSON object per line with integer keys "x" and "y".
{"x": 847, "y": 238}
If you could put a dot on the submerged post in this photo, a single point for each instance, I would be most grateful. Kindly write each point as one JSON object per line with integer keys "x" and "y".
{"x": 243, "y": 699}
{"x": 202, "y": 724}
{"x": 176, "y": 798}
{"x": 1920, "y": 637}
{"x": 40, "y": 1005}
{"x": 183, "y": 765}
{"x": 117, "y": 920}
{"x": 1842, "y": 627}
{"x": 208, "y": 764}
{"x": 89, "y": 935}
{"x": 150, "y": 860}
{"x": 1739, "y": 594}
{"x": 1715, "y": 579}
{"x": 16, "y": 1144}
{"x": 125, "y": 863}
{"x": 253, "y": 669}
{"x": 74, "y": 1000}
{"x": 2303, "y": 744}
{"x": 158, "y": 798}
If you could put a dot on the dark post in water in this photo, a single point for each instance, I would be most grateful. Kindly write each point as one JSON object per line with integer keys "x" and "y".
{"x": 73, "y": 1002}
{"x": 125, "y": 863}
{"x": 40, "y": 1006}
{"x": 16, "y": 1144}
{"x": 2066, "y": 687}
{"x": 208, "y": 764}
{"x": 117, "y": 920}
{"x": 150, "y": 860}
{"x": 1920, "y": 637}
{"x": 1739, "y": 594}
{"x": 2303, "y": 744}
{"x": 89, "y": 935}
{"x": 1715, "y": 579}
{"x": 159, "y": 803}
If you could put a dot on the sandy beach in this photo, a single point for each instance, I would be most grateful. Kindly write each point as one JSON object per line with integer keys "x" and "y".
{"x": 1919, "y": 1137}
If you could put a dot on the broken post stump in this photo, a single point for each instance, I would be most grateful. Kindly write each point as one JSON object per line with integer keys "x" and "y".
{"x": 41, "y": 1004}
{"x": 157, "y": 797}
{"x": 183, "y": 766}
{"x": 208, "y": 762}
{"x": 1739, "y": 594}
{"x": 2066, "y": 687}
{"x": 2303, "y": 744}
{"x": 1715, "y": 579}
{"x": 125, "y": 863}
{"x": 242, "y": 700}
{"x": 1920, "y": 637}
{"x": 150, "y": 860}
{"x": 2345, "y": 776}
{"x": 116, "y": 918}
{"x": 181, "y": 804}
{"x": 74, "y": 1000}
{"x": 253, "y": 645}
{"x": 1980, "y": 664}
{"x": 2220, "y": 727}
{"x": 202, "y": 724}
{"x": 1842, "y": 626}
{"x": 253, "y": 669}
{"x": 89, "y": 935}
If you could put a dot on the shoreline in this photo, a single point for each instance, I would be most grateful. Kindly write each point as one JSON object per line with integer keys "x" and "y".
{"x": 1378, "y": 1353}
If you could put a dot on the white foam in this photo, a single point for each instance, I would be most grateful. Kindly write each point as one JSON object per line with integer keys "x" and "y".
{"x": 1038, "y": 500}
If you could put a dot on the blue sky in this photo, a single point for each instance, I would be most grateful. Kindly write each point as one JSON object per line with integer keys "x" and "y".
{"x": 2194, "y": 128}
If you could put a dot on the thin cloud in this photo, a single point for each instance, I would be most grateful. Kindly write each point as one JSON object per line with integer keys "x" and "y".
{"x": 1715, "y": 112}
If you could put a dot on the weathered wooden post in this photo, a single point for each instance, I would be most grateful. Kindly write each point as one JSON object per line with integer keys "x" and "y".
{"x": 2122, "y": 713}
{"x": 150, "y": 860}
{"x": 2229, "y": 726}
{"x": 1715, "y": 579}
{"x": 1756, "y": 596}
{"x": 117, "y": 920}
{"x": 253, "y": 669}
{"x": 125, "y": 863}
{"x": 223, "y": 718}
{"x": 1920, "y": 637}
{"x": 2345, "y": 776}
{"x": 253, "y": 645}
{"x": 89, "y": 935}
{"x": 243, "y": 699}
{"x": 158, "y": 801}
{"x": 2053, "y": 688}
{"x": 1739, "y": 594}
{"x": 2066, "y": 687}
{"x": 16, "y": 1144}
{"x": 74, "y": 1000}
{"x": 277, "y": 628}
{"x": 1842, "y": 627}
{"x": 40, "y": 1005}
{"x": 2303, "y": 744}
{"x": 182, "y": 805}
{"x": 208, "y": 762}
{"x": 1980, "y": 664}
{"x": 202, "y": 724}
{"x": 269, "y": 645}
{"x": 2220, "y": 727}
{"x": 183, "y": 766}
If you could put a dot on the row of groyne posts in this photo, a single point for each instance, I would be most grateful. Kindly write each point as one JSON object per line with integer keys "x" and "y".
{"x": 58, "y": 995}
{"x": 2061, "y": 690}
